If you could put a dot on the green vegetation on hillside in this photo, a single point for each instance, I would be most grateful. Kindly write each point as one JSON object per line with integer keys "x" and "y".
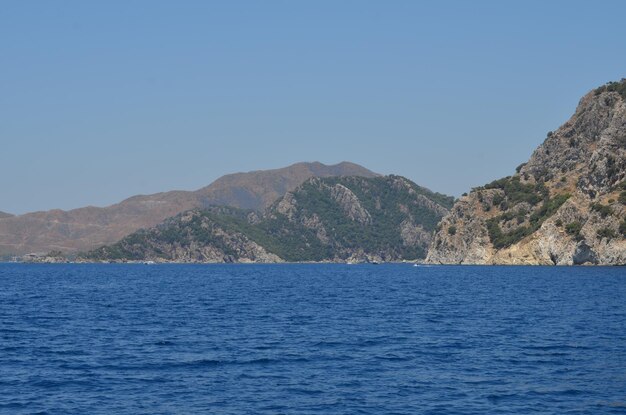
{"x": 607, "y": 233}
{"x": 603, "y": 210}
{"x": 382, "y": 200}
{"x": 516, "y": 192}
{"x": 619, "y": 87}
{"x": 574, "y": 229}
{"x": 320, "y": 225}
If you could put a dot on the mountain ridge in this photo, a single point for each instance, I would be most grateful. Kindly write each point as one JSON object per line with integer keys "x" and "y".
{"x": 346, "y": 218}
{"x": 87, "y": 227}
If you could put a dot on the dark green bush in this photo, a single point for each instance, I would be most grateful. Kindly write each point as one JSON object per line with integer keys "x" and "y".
{"x": 619, "y": 87}
{"x": 574, "y": 229}
{"x": 497, "y": 199}
{"x": 603, "y": 210}
{"x": 606, "y": 233}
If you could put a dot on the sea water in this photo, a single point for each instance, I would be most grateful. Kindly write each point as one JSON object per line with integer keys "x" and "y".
{"x": 311, "y": 339}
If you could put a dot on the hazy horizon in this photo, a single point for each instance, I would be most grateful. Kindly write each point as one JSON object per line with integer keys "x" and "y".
{"x": 102, "y": 101}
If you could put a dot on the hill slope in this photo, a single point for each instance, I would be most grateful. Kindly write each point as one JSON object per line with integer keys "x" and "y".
{"x": 567, "y": 205}
{"x": 86, "y": 228}
{"x": 5, "y": 215}
{"x": 324, "y": 219}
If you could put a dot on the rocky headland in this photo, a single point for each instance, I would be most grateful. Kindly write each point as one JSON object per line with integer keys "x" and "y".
{"x": 565, "y": 206}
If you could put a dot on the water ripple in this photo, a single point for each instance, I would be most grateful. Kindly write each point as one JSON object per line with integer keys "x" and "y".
{"x": 311, "y": 339}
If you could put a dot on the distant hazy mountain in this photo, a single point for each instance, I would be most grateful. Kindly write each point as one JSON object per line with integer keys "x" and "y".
{"x": 5, "y": 215}
{"x": 85, "y": 228}
{"x": 325, "y": 219}
{"x": 259, "y": 189}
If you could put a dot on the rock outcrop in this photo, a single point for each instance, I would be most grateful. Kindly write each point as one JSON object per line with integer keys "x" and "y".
{"x": 565, "y": 206}
{"x": 325, "y": 219}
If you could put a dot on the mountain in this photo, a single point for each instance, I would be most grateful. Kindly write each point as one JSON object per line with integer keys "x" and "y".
{"x": 259, "y": 189}
{"x": 325, "y": 219}
{"x": 85, "y": 228}
{"x": 5, "y": 215}
{"x": 566, "y": 205}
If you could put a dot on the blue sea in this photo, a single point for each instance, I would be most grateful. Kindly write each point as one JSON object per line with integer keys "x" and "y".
{"x": 311, "y": 339}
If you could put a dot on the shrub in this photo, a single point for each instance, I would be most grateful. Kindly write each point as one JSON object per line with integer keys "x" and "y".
{"x": 603, "y": 210}
{"x": 497, "y": 199}
{"x": 452, "y": 230}
{"x": 606, "y": 233}
{"x": 574, "y": 229}
{"x": 619, "y": 87}
{"x": 622, "y": 228}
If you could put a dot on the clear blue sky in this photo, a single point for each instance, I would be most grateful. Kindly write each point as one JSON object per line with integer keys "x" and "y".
{"x": 101, "y": 100}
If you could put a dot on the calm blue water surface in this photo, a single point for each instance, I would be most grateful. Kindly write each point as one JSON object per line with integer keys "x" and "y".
{"x": 311, "y": 339}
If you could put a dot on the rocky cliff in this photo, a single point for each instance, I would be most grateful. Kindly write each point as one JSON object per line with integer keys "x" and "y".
{"x": 565, "y": 206}
{"x": 325, "y": 219}
{"x": 89, "y": 227}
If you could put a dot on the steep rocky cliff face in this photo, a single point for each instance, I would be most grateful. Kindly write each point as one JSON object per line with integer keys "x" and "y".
{"x": 324, "y": 219}
{"x": 89, "y": 227}
{"x": 565, "y": 206}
